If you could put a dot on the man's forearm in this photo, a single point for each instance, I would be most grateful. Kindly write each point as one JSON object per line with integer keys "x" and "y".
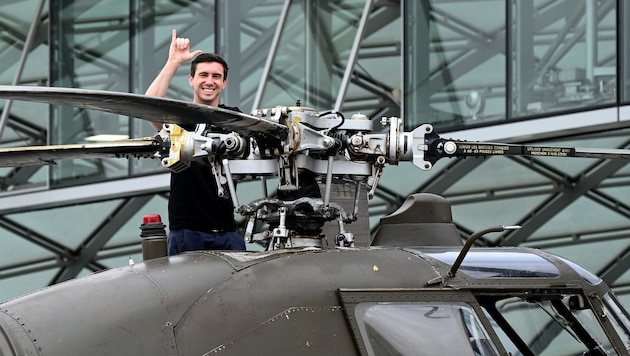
{"x": 160, "y": 85}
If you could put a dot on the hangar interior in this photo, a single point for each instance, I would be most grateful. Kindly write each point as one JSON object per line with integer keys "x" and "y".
{"x": 544, "y": 72}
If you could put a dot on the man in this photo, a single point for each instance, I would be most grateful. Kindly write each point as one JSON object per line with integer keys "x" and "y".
{"x": 198, "y": 218}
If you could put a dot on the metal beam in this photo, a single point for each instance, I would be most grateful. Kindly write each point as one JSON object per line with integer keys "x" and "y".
{"x": 17, "y": 177}
{"x": 616, "y": 268}
{"x": 354, "y": 54}
{"x": 38, "y": 239}
{"x": 44, "y": 199}
{"x": 28, "y": 44}
{"x": 455, "y": 172}
{"x": 100, "y": 237}
{"x": 271, "y": 55}
{"x": 557, "y": 203}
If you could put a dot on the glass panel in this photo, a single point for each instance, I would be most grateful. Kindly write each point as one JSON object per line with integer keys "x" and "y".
{"x": 454, "y": 63}
{"x": 315, "y": 46}
{"x": 584, "y": 273}
{"x": 90, "y": 50}
{"x": 624, "y": 44}
{"x": 563, "y": 55}
{"x": 96, "y": 48}
{"x": 303, "y": 64}
{"x": 23, "y": 123}
{"x": 547, "y": 325}
{"x": 422, "y": 329}
{"x": 490, "y": 264}
{"x": 619, "y": 318}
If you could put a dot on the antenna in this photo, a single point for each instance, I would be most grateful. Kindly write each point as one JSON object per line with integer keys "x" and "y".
{"x": 467, "y": 246}
{"x": 472, "y": 239}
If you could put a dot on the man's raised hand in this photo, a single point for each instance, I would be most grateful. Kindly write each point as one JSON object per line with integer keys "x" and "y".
{"x": 180, "y": 49}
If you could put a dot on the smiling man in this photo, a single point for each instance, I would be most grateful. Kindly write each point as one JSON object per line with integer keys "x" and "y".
{"x": 208, "y": 77}
{"x": 198, "y": 218}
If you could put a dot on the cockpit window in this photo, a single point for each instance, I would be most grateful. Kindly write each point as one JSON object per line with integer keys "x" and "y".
{"x": 589, "y": 277}
{"x": 486, "y": 264}
{"x": 552, "y": 325}
{"x": 618, "y": 317}
{"x": 422, "y": 329}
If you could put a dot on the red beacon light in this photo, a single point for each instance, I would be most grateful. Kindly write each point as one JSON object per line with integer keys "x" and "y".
{"x": 152, "y": 218}
{"x": 153, "y": 235}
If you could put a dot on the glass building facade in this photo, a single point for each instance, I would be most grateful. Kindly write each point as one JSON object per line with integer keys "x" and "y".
{"x": 520, "y": 71}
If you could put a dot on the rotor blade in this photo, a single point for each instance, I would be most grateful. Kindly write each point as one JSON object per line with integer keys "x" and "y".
{"x": 148, "y": 108}
{"x": 449, "y": 148}
{"x": 42, "y": 155}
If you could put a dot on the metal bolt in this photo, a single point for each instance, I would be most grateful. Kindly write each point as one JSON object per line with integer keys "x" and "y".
{"x": 231, "y": 143}
{"x": 450, "y": 147}
{"x": 357, "y": 141}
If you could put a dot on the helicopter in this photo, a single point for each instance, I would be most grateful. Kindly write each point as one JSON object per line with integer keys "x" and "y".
{"x": 416, "y": 290}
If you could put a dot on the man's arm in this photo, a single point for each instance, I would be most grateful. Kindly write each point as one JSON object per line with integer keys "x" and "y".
{"x": 178, "y": 54}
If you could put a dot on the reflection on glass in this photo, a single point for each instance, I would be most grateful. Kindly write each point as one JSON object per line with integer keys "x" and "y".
{"x": 100, "y": 47}
{"x": 455, "y": 62}
{"x": 524, "y": 59}
{"x": 564, "y": 55}
{"x": 422, "y": 329}
{"x": 588, "y": 276}
{"x": 23, "y": 123}
{"x": 553, "y": 325}
{"x": 304, "y": 67}
{"x": 490, "y": 264}
{"x": 89, "y": 52}
{"x": 619, "y": 318}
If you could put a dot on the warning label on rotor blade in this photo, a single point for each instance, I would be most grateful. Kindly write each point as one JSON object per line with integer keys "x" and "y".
{"x": 482, "y": 149}
{"x": 550, "y": 151}
{"x": 497, "y": 149}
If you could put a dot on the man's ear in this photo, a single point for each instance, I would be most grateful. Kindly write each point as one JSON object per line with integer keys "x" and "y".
{"x": 190, "y": 80}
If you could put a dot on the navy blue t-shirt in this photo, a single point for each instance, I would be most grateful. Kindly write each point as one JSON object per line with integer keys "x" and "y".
{"x": 193, "y": 202}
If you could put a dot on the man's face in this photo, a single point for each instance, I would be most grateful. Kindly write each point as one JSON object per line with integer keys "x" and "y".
{"x": 208, "y": 83}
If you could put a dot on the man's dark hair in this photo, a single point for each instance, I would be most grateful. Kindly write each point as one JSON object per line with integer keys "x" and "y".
{"x": 209, "y": 57}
